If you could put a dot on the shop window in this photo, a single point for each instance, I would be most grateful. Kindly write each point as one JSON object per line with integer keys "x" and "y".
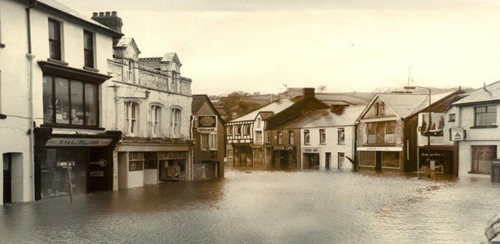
{"x": 229, "y": 130}
{"x": 132, "y": 109}
{"x": 258, "y": 136}
{"x": 69, "y": 102}
{"x": 451, "y": 118}
{"x": 55, "y": 40}
{"x": 390, "y": 159}
{"x": 322, "y": 136}
{"x": 307, "y": 137}
{"x": 367, "y": 159}
{"x": 291, "y": 137}
{"x": 230, "y": 153}
{"x": 151, "y": 160}
{"x": 156, "y": 120}
{"x": 341, "y": 158}
{"x": 280, "y": 137}
{"x": 485, "y": 115}
{"x": 136, "y": 161}
{"x": 88, "y": 48}
{"x": 176, "y": 122}
{"x": 340, "y": 136}
{"x": 482, "y": 157}
{"x": 268, "y": 137}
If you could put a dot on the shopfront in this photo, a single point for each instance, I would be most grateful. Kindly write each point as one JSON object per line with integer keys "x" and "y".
{"x": 84, "y": 162}
{"x": 311, "y": 158}
{"x": 284, "y": 157}
{"x": 380, "y": 157}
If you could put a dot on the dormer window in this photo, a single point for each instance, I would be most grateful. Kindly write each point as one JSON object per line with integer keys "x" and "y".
{"x": 379, "y": 109}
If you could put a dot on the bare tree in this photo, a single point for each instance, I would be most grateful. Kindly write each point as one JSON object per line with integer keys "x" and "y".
{"x": 322, "y": 88}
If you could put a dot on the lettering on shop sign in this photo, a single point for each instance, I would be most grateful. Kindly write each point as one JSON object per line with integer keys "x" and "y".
{"x": 77, "y": 142}
{"x": 66, "y": 164}
{"x": 283, "y": 148}
{"x": 424, "y": 154}
{"x": 102, "y": 163}
{"x": 96, "y": 173}
{"x": 311, "y": 150}
{"x": 386, "y": 149}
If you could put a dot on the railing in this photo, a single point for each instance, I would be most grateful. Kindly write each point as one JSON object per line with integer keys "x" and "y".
{"x": 116, "y": 69}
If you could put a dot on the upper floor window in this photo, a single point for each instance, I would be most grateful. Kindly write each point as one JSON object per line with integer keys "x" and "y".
{"x": 88, "y": 48}
{"x": 69, "y": 102}
{"x": 268, "y": 137}
{"x": 280, "y": 137}
{"x": 55, "y": 40}
{"x": 132, "y": 113}
{"x": 176, "y": 122}
{"x": 307, "y": 137}
{"x": 291, "y": 137}
{"x": 322, "y": 136}
{"x": 485, "y": 115}
{"x": 258, "y": 136}
{"x": 156, "y": 120}
{"x": 380, "y": 132}
{"x": 174, "y": 81}
{"x": 246, "y": 130}
{"x": 209, "y": 142}
{"x": 341, "y": 136}
{"x": 229, "y": 130}
{"x": 259, "y": 120}
{"x": 379, "y": 109}
{"x": 451, "y": 118}
{"x": 237, "y": 130}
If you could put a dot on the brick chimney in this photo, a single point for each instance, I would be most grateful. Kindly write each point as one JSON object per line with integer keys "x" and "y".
{"x": 109, "y": 19}
{"x": 300, "y": 92}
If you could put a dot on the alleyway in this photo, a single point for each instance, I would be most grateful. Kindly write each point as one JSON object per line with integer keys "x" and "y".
{"x": 266, "y": 207}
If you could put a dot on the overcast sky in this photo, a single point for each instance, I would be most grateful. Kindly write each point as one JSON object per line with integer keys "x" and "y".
{"x": 354, "y": 45}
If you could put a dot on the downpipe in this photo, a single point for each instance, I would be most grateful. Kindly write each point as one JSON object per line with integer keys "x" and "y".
{"x": 31, "y": 124}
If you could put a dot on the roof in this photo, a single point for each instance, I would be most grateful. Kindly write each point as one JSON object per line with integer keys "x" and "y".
{"x": 124, "y": 42}
{"x": 487, "y": 93}
{"x": 266, "y": 114}
{"x": 347, "y": 98}
{"x": 59, "y": 7}
{"x": 199, "y": 100}
{"x": 274, "y": 107}
{"x": 324, "y": 118}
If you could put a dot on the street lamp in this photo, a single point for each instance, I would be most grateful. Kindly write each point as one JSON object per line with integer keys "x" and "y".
{"x": 430, "y": 122}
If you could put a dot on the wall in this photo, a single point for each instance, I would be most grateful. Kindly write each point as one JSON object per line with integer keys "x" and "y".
{"x": 465, "y": 156}
{"x": 150, "y": 176}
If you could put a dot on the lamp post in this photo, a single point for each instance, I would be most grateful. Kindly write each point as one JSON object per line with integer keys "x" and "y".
{"x": 429, "y": 125}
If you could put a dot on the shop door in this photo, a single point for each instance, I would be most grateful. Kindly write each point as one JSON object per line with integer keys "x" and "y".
{"x": 378, "y": 160}
{"x": 100, "y": 170}
{"x": 328, "y": 157}
{"x": 7, "y": 178}
{"x": 284, "y": 159}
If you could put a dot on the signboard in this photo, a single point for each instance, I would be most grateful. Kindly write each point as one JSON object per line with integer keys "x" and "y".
{"x": 384, "y": 149}
{"x": 66, "y": 164}
{"x": 102, "y": 163}
{"x": 207, "y": 123}
{"x": 284, "y": 148}
{"x": 78, "y": 142}
{"x": 96, "y": 173}
{"x": 311, "y": 150}
{"x": 457, "y": 134}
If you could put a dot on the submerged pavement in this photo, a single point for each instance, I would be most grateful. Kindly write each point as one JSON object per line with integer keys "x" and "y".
{"x": 267, "y": 207}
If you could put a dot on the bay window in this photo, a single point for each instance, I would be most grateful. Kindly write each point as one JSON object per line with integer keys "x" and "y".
{"x": 69, "y": 102}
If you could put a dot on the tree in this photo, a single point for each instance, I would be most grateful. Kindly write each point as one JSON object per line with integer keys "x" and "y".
{"x": 321, "y": 88}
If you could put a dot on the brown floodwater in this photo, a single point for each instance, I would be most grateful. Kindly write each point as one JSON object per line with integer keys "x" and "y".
{"x": 266, "y": 207}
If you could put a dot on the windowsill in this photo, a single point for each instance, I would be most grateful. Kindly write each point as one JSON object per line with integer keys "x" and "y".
{"x": 3, "y": 116}
{"x": 484, "y": 127}
{"x": 90, "y": 69}
{"x": 64, "y": 126}
{"x": 341, "y": 144}
{"x": 476, "y": 173}
{"x": 2, "y": 45}
{"x": 322, "y": 144}
{"x": 57, "y": 61}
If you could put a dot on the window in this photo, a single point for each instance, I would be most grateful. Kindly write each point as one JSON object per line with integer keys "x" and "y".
{"x": 151, "y": 160}
{"x": 280, "y": 137}
{"x": 230, "y": 153}
{"x": 482, "y": 157}
{"x": 381, "y": 132}
{"x": 341, "y": 136}
{"x": 246, "y": 130}
{"x": 132, "y": 112}
{"x": 259, "y": 120}
{"x": 209, "y": 142}
{"x": 258, "y": 136}
{"x": 307, "y": 138}
{"x": 214, "y": 142}
{"x": 367, "y": 159}
{"x": 156, "y": 120}
{"x": 55, "y": 40}
{"x": 88, "y": 48}
{"x": 379, "y": 109}
{"x": 176, "y": 122}
{"x": 390, "y": 159}
{"x": 268, "y": 137}
{"x": 485, "y": 115}
{"x": 136, "y": 161}
{"x": 341, "y": 158}
{"x": 322, "y": 136}
{"x": 174, "y": 81}
{"x": 451, "y": 118}
{"x": 205, "y": 142}
{"x": 237, "y": 131}
{"x": 229, "y": 130}
{"x": 69, "y": 102}
{"x": 291, "y": 137}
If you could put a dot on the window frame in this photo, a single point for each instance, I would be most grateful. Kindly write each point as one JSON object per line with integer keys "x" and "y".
{"x": 452, "y": 117}
{"x": 132, "y": 129}
{"x": 229, "y": 130}
{"x": 307, "y": 137}
{"x": 137, "y": 161}
{"x": 91, "y": 51}
{"x": 341, "y": 136}
{"x": 258, "y": 139}
{"x": 291, "y": 137}
{"x": 53, "y": 121}
{"x": 59, "y": 42}
{"x": 156, "y": 120}
{"x": 280, "y": 137}
{"x": 481, "y": 113}
{"x": 340, "y": 164}
{"x": 322, "y": 136}
{"x": 268, "y": 137}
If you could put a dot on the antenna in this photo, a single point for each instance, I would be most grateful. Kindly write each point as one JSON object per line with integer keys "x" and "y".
{"x": 409, "y": 70}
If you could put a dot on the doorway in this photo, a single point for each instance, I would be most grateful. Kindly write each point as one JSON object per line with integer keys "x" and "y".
{"x": 328, "y": 157}
{"x": 7, "y": 178}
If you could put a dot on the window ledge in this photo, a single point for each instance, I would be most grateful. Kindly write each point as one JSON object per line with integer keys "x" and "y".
{"x": 484, "y": 127}
{"x": 57, "y": 61}
{"x": 90, "y": 69}
{"x": 64, "y": 126}
{"x": 2, "y": 45}
{"x": 476, "y": 173}
{"x": 3, "y": 116}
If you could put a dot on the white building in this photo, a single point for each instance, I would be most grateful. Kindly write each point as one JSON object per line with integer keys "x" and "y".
{"x": 53, "y": 62}
{"x": 473, "y": 123}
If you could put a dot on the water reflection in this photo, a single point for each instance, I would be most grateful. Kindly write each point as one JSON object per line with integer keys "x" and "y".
{"x": 254, "y": 206}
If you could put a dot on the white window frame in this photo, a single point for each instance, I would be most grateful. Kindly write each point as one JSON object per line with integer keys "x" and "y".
{"x": 341, "y": 136}
{"x": 307, "y": 137}
{"x": 132, "y": 122}
{"x": 156, "y": 120}
{"x": 176, "y": 122}
{"x": 280, "y": 137}
{"x": 322, "y": 136}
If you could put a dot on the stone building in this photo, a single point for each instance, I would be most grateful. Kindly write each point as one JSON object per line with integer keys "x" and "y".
{"x": 53, "y": 63}
{"x": 209, "y": 133}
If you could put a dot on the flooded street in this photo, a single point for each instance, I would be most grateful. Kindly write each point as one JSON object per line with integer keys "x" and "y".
{"x": 267, "y": 207}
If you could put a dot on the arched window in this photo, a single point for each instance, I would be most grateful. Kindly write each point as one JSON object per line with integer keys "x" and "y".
{"x": 156, "y": 122}
{"x": 176, "y": 122}
{"x": 132, "y": 118}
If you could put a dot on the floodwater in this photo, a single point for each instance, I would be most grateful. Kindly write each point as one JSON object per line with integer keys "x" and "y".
{"x": 266, "y": 207}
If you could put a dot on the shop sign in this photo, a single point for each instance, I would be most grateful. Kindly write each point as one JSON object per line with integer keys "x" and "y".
{"x": 96, "y": 173}
{"x": 457, "y": 134}
{"x": 384, "y": 149}
{"x": 102, "y": 163}
{"x": 283, "y": 148}
{"x": 78, "y": 142}
{"x": 311, "y": 150}
{"x": 66, "y": 164}
{"x": 207, "y": 123}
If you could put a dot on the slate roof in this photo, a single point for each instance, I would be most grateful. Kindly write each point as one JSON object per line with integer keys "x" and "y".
{"x": 324, "y": 118}
{"x": 274, "y": 107}
{"x": 484, "y": 94}
{"x": 198, "y": 101}
{"x": 266, "y": 115}
{"x": 57, "y": 6}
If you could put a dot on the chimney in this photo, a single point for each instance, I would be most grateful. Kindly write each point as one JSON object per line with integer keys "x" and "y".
{"x": 309, "y": 92}
{"x": 300, "y": 92}
{"x": 109, "y": 19}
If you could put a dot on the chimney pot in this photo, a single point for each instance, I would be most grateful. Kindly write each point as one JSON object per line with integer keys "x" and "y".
{"x": 108, "y": 13}
{"x": 101, "y": 14}
{"x": 94, "y": 14}
{"x": 113, "y": 13}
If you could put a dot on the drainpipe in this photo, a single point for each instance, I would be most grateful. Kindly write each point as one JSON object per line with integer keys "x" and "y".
{"x": 31, "y": 125}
